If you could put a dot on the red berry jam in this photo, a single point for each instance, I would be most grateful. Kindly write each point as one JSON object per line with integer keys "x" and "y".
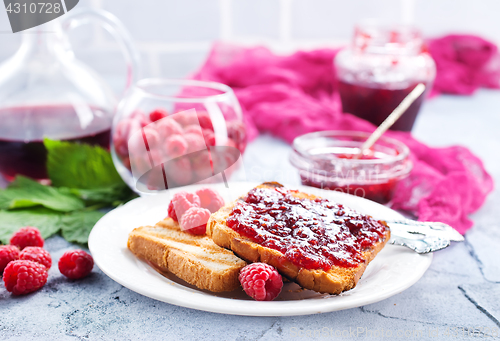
{"x": 311, "y": 233}
{"x": 378, "y": 192}
{"x": 375, "y": 104}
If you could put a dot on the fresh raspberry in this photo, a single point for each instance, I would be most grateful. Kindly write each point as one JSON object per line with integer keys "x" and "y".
{"x": 261, "y": 281}
{"x": 201, "y": 164}
{"x": 122, "y": 133}
{"x": 140, "y": 118}
{"x": 76, "y": 264}
{"x": 38, "y": 255}
{"x": 151, "y": 138}
{"x": 168, "y": 126}
{"x": 195, "y": 220}
{"x": 24, "y": 276}
{"x": 179, "y": 172}
{"x": 236, "y": 132}
{"x": 27, "y": 236}
{"x": 180, "y": 203}
{"x": 195, "y": 142}
{"x": 193, "y": 129}
{"x": 209, "y": 137}
{"x": 157, "y": 115}
{"x": 8, "y": 253}
{"x": 175, "y": 146}
{"x": 186, "y": 118}
{"x": 171, "y": 211}
{"x": 205, "y": 120}
{"x": 210, "y": 199}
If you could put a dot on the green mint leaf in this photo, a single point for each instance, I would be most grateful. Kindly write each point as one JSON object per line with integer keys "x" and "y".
{"x": 77, "y": 226}
{"x": 24, "y": 192}
{"x": 77, "y": 165}
{"x": 111, "y": 196}
{"x": 47, "y": 221}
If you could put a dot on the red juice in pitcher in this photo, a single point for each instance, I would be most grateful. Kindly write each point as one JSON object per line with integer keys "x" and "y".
{"x": 22, "y": 130}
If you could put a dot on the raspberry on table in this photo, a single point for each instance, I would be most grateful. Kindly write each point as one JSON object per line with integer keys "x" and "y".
{"x": 180, "y": 203}
{"x": 38, "y": 255}
{"x": 8, "y": 253}
{"x": 76, "y": 264}
{"x": 210, "y": 199}
{"x": 27, "y": 236}
{"x": 195, "y": 220}
{"x": 261, "y": 281}
{"x": 24, "y": 276}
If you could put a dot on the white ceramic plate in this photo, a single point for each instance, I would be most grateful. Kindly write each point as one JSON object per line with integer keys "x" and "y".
{"x": 393, "y": 270}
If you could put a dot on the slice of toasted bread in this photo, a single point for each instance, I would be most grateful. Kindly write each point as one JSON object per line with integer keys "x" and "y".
{"x": 333, "y": 281}
{"x": 195, "y": 259}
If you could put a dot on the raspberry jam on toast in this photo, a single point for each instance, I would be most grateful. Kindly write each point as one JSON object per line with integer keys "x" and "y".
{"x": 312, "y": 233}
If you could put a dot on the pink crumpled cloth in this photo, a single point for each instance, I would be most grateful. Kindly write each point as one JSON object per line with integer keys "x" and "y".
{"x": 464, "y": 63}
{"x": 288, "y": 96}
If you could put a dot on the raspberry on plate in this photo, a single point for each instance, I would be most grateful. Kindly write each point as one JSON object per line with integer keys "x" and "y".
{"x": 8, "y": 253}
{"x": 76, "y": 264}
{"x": 261, "y": 281}
{"x": 24, "y": 276}
{"x": 210, "y": 199}
{"x": 27, "y": 236}
{"x": 180, "y": 203}
{"x": 195, "y": 219}
{"x": 38, "y": 255}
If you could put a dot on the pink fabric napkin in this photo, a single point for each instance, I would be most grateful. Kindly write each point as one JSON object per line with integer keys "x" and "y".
{"x": 288, "y": 96}
{"x": 464, "y": 63}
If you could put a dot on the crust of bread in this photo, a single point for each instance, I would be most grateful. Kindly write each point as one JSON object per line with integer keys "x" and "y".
{"x": 333, "y": 281}
{"x": 194, "y": 259}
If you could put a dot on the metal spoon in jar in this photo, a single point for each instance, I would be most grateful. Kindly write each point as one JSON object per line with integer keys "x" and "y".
{"x": 421, "y": 237}
{"x": 391, "y": 119}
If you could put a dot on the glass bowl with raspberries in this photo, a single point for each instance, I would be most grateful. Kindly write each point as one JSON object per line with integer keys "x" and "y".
{"x": 172, "y": 133}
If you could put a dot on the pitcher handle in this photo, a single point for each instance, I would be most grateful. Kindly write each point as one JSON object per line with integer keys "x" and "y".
{"x": 114, "y": 26}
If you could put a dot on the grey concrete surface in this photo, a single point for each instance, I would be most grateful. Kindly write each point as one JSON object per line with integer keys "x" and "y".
{"x": 456, "y": 299}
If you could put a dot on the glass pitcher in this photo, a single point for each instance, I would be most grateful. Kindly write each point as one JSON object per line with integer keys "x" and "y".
{"x": 45, "y": 92}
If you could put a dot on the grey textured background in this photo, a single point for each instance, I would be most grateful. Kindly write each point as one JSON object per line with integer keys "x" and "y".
{"x": 461, "y": 288}
{"x": 460, "y": 291}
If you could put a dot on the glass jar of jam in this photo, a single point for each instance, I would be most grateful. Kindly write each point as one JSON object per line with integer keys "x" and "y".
{"x": 327, "y": 160}
{"x": 382, "y": 66}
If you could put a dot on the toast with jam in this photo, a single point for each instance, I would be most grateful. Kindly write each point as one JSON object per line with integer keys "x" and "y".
{"x": 321, "y": 245}
{"x": 194, "y": 259}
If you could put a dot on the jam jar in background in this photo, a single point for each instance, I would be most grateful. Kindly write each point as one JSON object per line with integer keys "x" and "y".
{"x": 381, "y": 67}
{"x": 327, "y": 160}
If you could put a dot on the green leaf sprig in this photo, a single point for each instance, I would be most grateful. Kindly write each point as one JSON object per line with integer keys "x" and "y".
{"x": 84, "y": 183}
